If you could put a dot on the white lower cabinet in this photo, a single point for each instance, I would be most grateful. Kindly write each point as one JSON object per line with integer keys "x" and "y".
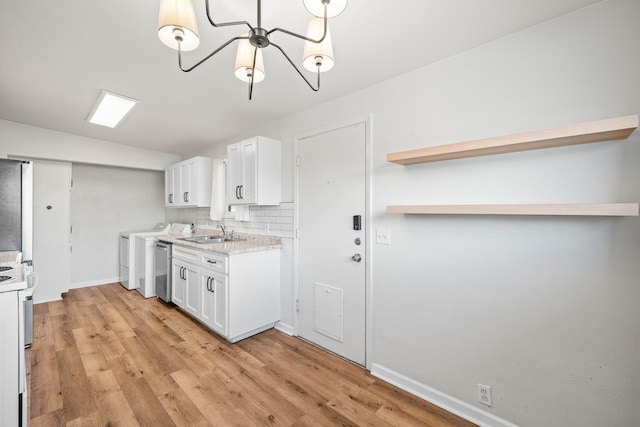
{"x": 214, "y": 288}
{"x": 192, "y": 288}
{"x": 238, "y": 295}
{"x": 184, "y": 289}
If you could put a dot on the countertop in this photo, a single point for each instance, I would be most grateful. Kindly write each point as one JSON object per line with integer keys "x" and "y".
{"x": 252, "y": 243}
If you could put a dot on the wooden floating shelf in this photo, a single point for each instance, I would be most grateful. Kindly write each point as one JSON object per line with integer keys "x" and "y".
{"x": 582, "y": 133}
{"x": 600, "y": 209}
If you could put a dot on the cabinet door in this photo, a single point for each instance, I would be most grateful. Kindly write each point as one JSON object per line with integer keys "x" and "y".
{"x": 193, "y": 183}
{"x": 192, "y": 290}
{"x": 207, "y": 297}
{"x": 234, "y": 174}
{"x": 220, "y": 323}
{"x": 178, "y": 283}
{"x": 249, "y": 171}
{"x": 188, "y": 183}
{"x": 168, "y": 187}
{"x": 214, "y": 301}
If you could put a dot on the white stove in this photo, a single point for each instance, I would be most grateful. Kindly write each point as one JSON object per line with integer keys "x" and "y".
{"x": 12, "y": 277}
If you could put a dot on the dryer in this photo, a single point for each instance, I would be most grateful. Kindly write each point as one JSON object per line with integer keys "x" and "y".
{"x": 128, "y": 253}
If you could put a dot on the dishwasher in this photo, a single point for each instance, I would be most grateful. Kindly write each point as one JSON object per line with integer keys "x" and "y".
{"x": 162, "y": 273}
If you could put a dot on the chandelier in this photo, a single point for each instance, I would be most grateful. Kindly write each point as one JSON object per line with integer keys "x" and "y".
{"x": 177, "y": 28}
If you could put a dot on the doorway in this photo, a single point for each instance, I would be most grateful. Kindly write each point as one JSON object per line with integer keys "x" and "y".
{"x": 332, "y": 238}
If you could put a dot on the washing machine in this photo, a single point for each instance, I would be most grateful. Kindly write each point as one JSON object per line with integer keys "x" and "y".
{"x": 128, "y": 253}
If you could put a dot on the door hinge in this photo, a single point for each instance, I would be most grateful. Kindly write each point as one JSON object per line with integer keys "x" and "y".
{"x": 297, "y": 305}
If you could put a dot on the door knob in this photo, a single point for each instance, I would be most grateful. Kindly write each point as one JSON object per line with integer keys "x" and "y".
{"x": 356, "y": 258}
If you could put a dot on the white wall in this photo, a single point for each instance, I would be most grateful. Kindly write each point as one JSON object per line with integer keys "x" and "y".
{"x": 18, "y": 140}
{"x": 98, "y": 220}
{"x": 544, "y": 310}
{"x": 105, "y": 202}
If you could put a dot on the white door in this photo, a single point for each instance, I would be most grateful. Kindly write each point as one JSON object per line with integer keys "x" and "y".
{"x": 331, "y": 252}
{"x": 51, "y": 228}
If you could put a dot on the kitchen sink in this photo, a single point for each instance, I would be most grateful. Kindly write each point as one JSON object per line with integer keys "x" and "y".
{"x": 205, "y": 240}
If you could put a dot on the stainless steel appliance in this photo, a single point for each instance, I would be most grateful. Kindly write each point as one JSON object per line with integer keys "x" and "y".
{"x": 16, "y": 224}
{"x": 16, "y": 207}
{"x": 162, "y": 273}
{"x": 32, "y": 281}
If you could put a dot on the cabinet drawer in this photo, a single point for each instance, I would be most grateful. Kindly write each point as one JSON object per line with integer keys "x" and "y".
{"x": 185, "y": 254}
{"x": 213, "y": 261}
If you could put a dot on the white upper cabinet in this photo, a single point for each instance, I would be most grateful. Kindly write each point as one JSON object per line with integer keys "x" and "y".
{"x": 188, "y": 183}
{"x": 254, "y": 172}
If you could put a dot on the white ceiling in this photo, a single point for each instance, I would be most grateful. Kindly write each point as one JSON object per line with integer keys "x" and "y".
{"x": 58, "y": 54}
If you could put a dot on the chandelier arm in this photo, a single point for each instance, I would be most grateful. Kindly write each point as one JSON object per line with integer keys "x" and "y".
{"x": 300, "y": 36}
{"x": 315, "y": 89}
{"x": 224, "y": 24}
{"x": 253, "y": 71}
{"x": 186, "y": 70}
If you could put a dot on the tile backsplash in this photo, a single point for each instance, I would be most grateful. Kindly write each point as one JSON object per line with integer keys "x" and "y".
{"x": 266, "y": 220}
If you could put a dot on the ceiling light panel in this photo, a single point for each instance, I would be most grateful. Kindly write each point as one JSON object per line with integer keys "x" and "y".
{"x": 110, "y": 109}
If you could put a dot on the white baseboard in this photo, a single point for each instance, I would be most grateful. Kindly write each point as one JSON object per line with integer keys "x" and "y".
{"x": 94, "y": 283}
{"x": 284, "y": 328}
{"x": 442, "y": 400}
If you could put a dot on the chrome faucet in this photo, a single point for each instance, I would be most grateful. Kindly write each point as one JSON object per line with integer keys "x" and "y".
{"x": 224, "y": 230}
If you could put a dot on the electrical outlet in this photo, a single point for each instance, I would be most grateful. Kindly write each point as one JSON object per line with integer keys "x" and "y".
{"x": 484, "y": 394}
{"x": 383, "y": 237}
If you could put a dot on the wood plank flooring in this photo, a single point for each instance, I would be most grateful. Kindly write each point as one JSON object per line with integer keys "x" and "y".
{"x": 103, "y": 356}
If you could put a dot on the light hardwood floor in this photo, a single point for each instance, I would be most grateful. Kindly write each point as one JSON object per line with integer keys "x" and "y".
{"x": 107, "y": 357}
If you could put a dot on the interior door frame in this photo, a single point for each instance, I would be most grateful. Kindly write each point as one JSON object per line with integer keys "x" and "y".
{"x": 368, "y": 122}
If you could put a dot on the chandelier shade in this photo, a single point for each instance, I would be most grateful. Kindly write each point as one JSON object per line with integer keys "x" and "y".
{"x": 318, "y": 56}
{"x": 244, "y": 68}
{"x": 334, "y": 7}
{"x": 178, "y": 29}
{"x": 177, "y": 26}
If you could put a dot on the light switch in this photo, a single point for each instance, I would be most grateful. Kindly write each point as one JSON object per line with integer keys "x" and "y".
{"x": 383, "y": 236}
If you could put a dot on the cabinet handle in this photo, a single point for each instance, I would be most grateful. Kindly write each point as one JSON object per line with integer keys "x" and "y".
{"x": 209, "y": 284}
{"x": 210, "y": 261}
{"x": 238, "y": 192}
{"x": 242, "y": 191}
{"x": 171, "y": 198}
{"x": 212, "y": 282}
{"x": 185, "y": 196}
